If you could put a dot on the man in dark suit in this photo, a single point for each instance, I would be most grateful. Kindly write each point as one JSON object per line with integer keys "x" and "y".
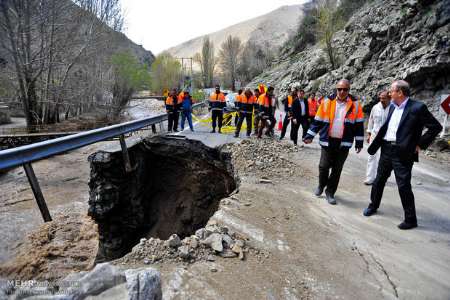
{"x": 400, "y": 139}
{"x": 299, "y": 116}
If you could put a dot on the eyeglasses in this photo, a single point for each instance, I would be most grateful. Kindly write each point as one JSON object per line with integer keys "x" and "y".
{"x": 342, "y": 89}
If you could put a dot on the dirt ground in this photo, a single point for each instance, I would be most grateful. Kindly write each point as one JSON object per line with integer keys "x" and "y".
{"x": 304, "y": 248}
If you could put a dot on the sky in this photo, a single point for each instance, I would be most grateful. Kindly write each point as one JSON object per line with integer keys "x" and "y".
{"x": 160, "y": 24}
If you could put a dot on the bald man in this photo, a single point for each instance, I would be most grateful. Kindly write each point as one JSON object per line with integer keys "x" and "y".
{"x": 400, "y": 139}
{"x": 378, "y": 116}
{"x": 340, "y": 121}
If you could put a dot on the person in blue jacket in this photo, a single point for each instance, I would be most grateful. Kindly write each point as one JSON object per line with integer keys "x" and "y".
{"x": 186, "y": 109}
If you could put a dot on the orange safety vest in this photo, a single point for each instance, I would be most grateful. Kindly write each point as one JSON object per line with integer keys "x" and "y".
{"x": 217, "y": 97}
{"x": 312, "y": 106}
{"x": 246, "y": 100}
{"x": 353, "y": 127}
{"x": 180, "y": 97}
{"x": 169, "y": 101}
{"x": 290, "y": 101}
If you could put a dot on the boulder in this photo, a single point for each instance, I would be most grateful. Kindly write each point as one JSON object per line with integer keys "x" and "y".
{"x": 143, "y": 284}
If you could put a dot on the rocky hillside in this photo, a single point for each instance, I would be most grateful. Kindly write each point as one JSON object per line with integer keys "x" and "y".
{"x": 384, "y": 40}
{"x": 272, "y": 28}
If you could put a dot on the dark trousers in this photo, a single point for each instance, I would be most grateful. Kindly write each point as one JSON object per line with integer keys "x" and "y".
{"x": 217, "y": 118}
{"x": 285, "y": 125}
{"x": 172, "y": 121}
{"x": 295, "y": 127}
{"x": 257, "y": 121}
{"x": 332, "y": 157}
{"x": 187, "y": 114}
{"x": 236, "y": 118}
{"x": 390, "y": 160}
{"x": 248, "y": 120}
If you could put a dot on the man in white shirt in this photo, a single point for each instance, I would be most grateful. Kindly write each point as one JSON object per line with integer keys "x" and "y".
{"x": 378, "y": 116}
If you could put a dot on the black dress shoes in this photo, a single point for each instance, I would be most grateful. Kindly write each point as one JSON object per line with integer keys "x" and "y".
{"x": 369, "y": 211}
{"x": 406, "y": 226}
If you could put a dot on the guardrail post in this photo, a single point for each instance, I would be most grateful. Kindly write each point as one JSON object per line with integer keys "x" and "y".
{"x": 37, "y": 192}
{"x": 154, "y": 128}
{"x": 126, "y": 156}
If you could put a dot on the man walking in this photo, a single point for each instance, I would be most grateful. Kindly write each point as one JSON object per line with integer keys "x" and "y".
{"x": 400, "y": 139}
{"x": 339, "y": 120}
{"x": 378, "y": 116}
{"x": 299, "y": 116}
{"x": 216, "y": 105}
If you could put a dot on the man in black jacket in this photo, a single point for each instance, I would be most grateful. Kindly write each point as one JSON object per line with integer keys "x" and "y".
{"x": 299, "y": 116}
{"x": 400, "y": 139}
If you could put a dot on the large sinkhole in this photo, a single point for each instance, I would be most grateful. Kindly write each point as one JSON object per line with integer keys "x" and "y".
{"x": 175, "y": 187}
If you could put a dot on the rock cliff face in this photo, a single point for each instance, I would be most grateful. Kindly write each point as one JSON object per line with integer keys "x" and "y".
{"x": 383, "y": 41}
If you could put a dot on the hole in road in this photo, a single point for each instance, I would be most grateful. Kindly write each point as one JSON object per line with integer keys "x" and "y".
{"x": 175, "y": 187}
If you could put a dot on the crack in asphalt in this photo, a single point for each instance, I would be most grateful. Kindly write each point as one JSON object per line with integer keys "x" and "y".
{"x": 386, "y": 274}
{"x": 394, "y": 287}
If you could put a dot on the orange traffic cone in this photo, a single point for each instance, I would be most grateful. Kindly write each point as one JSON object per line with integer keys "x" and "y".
{"x": 280, "y": 123}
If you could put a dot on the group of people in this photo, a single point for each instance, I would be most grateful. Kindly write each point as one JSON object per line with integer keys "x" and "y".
{"x": 257, "y": 108}
{"x": 175, "y": 103}
{"x": 395, "y": 128}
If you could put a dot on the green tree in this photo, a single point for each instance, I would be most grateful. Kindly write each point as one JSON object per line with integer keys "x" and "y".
{"x": 166, "y": 72}
{"x": 129, "y": 76}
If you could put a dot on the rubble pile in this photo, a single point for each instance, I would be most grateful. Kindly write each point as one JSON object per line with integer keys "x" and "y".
{"x": 207, "y": 244}
{"x": 265, "y": 158}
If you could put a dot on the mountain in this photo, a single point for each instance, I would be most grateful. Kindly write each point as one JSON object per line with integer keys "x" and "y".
{"x": 383, "y": 40}
{"x": 273, "y": 29}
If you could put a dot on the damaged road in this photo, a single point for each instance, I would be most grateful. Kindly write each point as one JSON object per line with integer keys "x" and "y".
{"x": 300, "y": 247}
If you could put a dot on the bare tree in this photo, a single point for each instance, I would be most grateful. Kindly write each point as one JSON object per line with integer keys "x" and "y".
{"x": 254, "y": 59}
{"x": 48, "y": 43}
{"x": 229, "y": 58}
{"x": 207, "y": 62}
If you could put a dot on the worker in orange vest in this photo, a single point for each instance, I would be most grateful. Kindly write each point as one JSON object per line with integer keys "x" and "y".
{"x": 248, "y": 100}
{"x": 339, "y": 122}
{"x": 256, "y": 93}
{"x": 237, "y": 105}
{"x": 313, "y": 105}
{"x": 172, "y": 109}
{"x": 266, "y": 110}
{"x": 288, "y": 111}
{"x": 216, "y": 105}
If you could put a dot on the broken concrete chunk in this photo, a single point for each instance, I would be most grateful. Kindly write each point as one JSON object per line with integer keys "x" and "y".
{"x": 174, "y": 241}
{"x": 214, "y": 241}
{"x": 202, "y": 234}
{"x": 143, "y": 284}
{"x": 228, "y": 241}
{"x": 227, "y": 253}
{"x": 183, "y": 252}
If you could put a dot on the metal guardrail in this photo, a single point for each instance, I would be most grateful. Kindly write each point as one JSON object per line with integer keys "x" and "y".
{"x": 25, "y": 155}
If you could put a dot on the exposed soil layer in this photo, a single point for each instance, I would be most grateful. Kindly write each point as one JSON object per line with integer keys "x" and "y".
{"x": 175, "y": 187}
{"x": 67, "y": 244}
